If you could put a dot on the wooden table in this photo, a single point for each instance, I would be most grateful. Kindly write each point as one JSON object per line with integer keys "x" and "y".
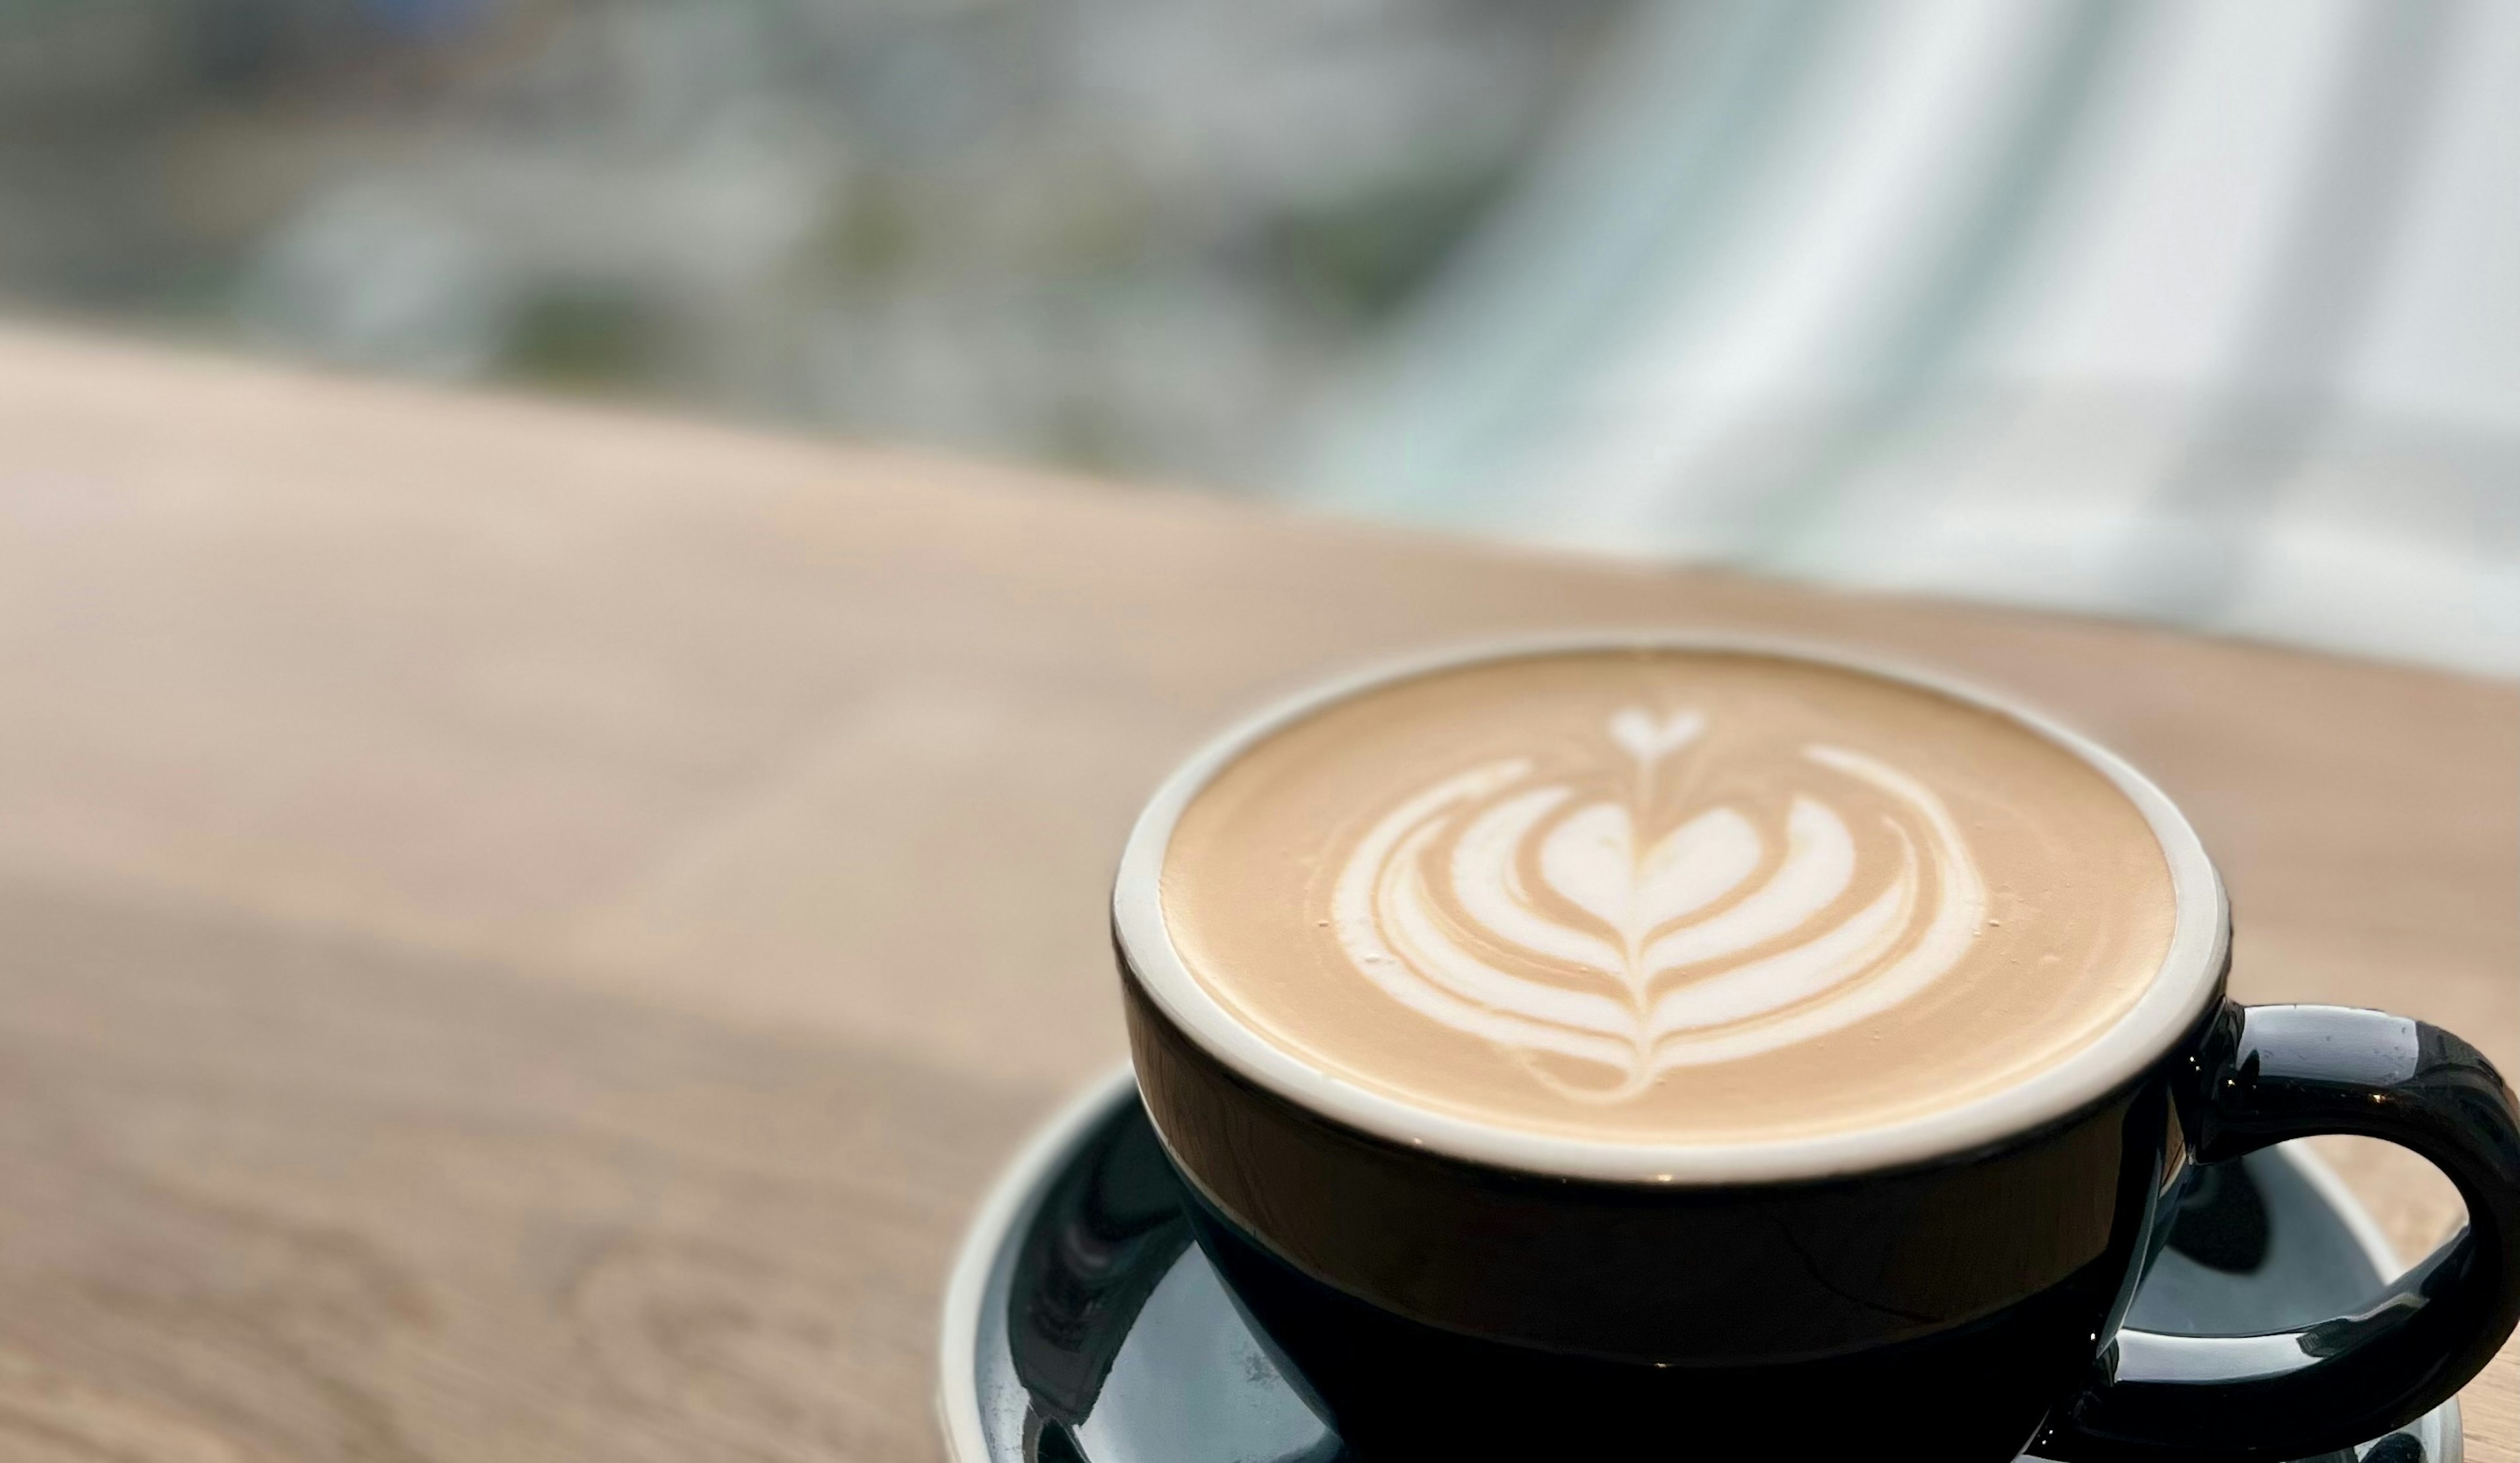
{"x": 524, "y": 930}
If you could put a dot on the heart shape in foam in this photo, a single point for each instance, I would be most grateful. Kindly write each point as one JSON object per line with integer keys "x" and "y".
{"x": 1648, "y": 739}
{"x": 1591, "y": 858}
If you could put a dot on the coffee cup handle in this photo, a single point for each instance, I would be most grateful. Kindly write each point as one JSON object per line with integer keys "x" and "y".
{"x": 2273, "y": 1073}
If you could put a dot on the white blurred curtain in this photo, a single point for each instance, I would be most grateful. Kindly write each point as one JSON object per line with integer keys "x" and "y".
{"x": 2207, "y": 311}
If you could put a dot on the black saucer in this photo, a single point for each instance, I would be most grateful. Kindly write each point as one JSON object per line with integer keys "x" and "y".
{"x": 1082, "y": 1326}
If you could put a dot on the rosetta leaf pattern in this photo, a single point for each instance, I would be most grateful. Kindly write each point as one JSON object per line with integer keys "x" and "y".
{"x": 1532, "y": 911}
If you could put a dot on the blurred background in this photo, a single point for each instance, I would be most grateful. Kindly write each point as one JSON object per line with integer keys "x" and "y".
{"x": 2203, "y": 313}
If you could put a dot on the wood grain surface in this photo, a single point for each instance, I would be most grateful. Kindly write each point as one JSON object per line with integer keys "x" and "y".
{"x": 525, "y": 929}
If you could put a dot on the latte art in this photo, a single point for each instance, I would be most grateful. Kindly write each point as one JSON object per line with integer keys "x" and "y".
{"x": 1557, "y": 923}
{"x": 1665, "y": 895}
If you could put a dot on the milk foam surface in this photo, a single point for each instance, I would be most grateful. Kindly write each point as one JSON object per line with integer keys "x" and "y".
{"x": 1666, "y": 896}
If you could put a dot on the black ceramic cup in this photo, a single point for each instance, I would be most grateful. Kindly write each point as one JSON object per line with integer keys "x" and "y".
{"x": 1952, "y": 1287}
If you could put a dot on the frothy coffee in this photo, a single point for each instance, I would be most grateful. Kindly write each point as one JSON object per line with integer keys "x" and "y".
{"x": 1666, "y": 896}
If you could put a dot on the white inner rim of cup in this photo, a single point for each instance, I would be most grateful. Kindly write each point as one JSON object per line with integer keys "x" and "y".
{"x": 2186, "y": 981}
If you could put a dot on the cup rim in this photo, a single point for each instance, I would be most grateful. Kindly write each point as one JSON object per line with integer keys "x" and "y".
{"x": 2187, "y": 981}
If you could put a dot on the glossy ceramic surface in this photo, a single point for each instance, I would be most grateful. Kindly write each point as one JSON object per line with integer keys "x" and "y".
{"x": 1083, "y": 1326}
